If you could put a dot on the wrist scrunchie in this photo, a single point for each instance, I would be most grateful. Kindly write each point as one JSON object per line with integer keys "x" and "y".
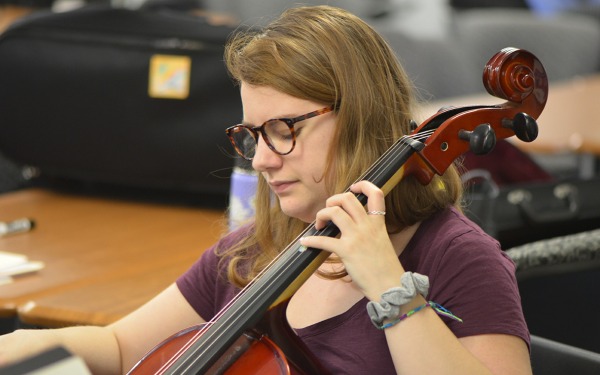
{"x": 392, "y": 299}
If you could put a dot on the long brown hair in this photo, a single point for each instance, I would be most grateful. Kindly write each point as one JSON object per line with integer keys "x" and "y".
{"x": 328, "y": 55}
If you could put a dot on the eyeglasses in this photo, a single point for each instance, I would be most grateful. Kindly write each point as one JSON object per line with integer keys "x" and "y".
{"x": 278, "y": 134}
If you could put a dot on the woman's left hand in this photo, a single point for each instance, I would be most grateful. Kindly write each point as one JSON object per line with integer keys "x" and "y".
{"x": 364, "y": 245}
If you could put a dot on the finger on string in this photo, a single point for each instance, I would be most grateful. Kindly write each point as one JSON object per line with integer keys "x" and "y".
{"x": 318, "y": 242}
{"x": 335, "y": 214}
{"x": 348, "y": 202}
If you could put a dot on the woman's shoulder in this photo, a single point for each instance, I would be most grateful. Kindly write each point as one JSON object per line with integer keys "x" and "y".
{"x": 450, "y": 225}
{"x": 218, "y": 255}
{"x": 236, "y": 235}
{"x": 204, "y": 284}
{"x": 449, "y": 237}
{"x": 464, "y": 264}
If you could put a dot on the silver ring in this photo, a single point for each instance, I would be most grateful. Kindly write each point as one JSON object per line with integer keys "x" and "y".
{"x": 382, "y": 213}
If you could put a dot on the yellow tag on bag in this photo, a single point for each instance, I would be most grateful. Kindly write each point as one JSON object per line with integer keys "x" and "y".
{"x": 169, "y": 77}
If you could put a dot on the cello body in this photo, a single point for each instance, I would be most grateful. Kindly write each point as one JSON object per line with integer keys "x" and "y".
{"x": 252, "y": 353}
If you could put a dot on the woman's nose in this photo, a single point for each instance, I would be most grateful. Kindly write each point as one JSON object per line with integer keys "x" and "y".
{"x": 264, "y": 157}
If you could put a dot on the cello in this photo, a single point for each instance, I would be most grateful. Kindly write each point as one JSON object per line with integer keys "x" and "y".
{"x": 250, "y": 334}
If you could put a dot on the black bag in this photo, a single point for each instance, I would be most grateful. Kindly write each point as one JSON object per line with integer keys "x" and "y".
{"x": 522, "y": 213}
{"x": 135, "y": 98}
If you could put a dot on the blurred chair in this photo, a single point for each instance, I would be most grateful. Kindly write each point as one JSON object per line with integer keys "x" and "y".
{"x": 469, "y": 4}
{"x": 260, "y": 12}
{"x": 436, "y": 66}
{"x": 553, "y": 358}
{"x": 568, "y": 44}
{"x": 559, "y": 282}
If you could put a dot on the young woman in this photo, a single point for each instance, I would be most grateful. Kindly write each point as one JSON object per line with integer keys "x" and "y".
{"x": 323, "y": 97}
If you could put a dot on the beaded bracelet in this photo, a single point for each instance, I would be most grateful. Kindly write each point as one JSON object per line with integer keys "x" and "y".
{"x": 441, "y": 310}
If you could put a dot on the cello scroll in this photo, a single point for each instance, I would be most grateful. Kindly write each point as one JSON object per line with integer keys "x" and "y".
{"x": 512, "y": 74}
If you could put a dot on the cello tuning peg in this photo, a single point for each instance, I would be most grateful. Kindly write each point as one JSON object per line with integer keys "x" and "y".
{"x": 524, "y": 126}
{"x": 481, "y": 140}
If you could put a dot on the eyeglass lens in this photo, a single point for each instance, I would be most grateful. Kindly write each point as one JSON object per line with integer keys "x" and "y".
{"x": 278, "y": 135}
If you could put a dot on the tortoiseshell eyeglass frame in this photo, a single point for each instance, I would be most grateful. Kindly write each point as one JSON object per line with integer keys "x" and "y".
{"x": 256, "y": 130}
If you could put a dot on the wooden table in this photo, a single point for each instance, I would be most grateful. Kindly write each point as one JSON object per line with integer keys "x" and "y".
{"x": 570, "y": 122}
{"x": 103, "y": 257}
{"x": 103, "y": 300}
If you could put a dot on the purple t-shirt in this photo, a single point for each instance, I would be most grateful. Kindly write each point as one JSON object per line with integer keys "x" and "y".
{"x": 468, "y": 272}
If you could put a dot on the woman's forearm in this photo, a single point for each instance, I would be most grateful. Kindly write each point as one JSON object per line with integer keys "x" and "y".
{"x": 97, "y": 346}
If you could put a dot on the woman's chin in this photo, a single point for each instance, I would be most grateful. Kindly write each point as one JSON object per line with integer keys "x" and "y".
{"x": 300, "y": 213}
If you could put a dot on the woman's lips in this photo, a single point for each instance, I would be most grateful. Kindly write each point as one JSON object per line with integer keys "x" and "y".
{"x": 280, "y": 187}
